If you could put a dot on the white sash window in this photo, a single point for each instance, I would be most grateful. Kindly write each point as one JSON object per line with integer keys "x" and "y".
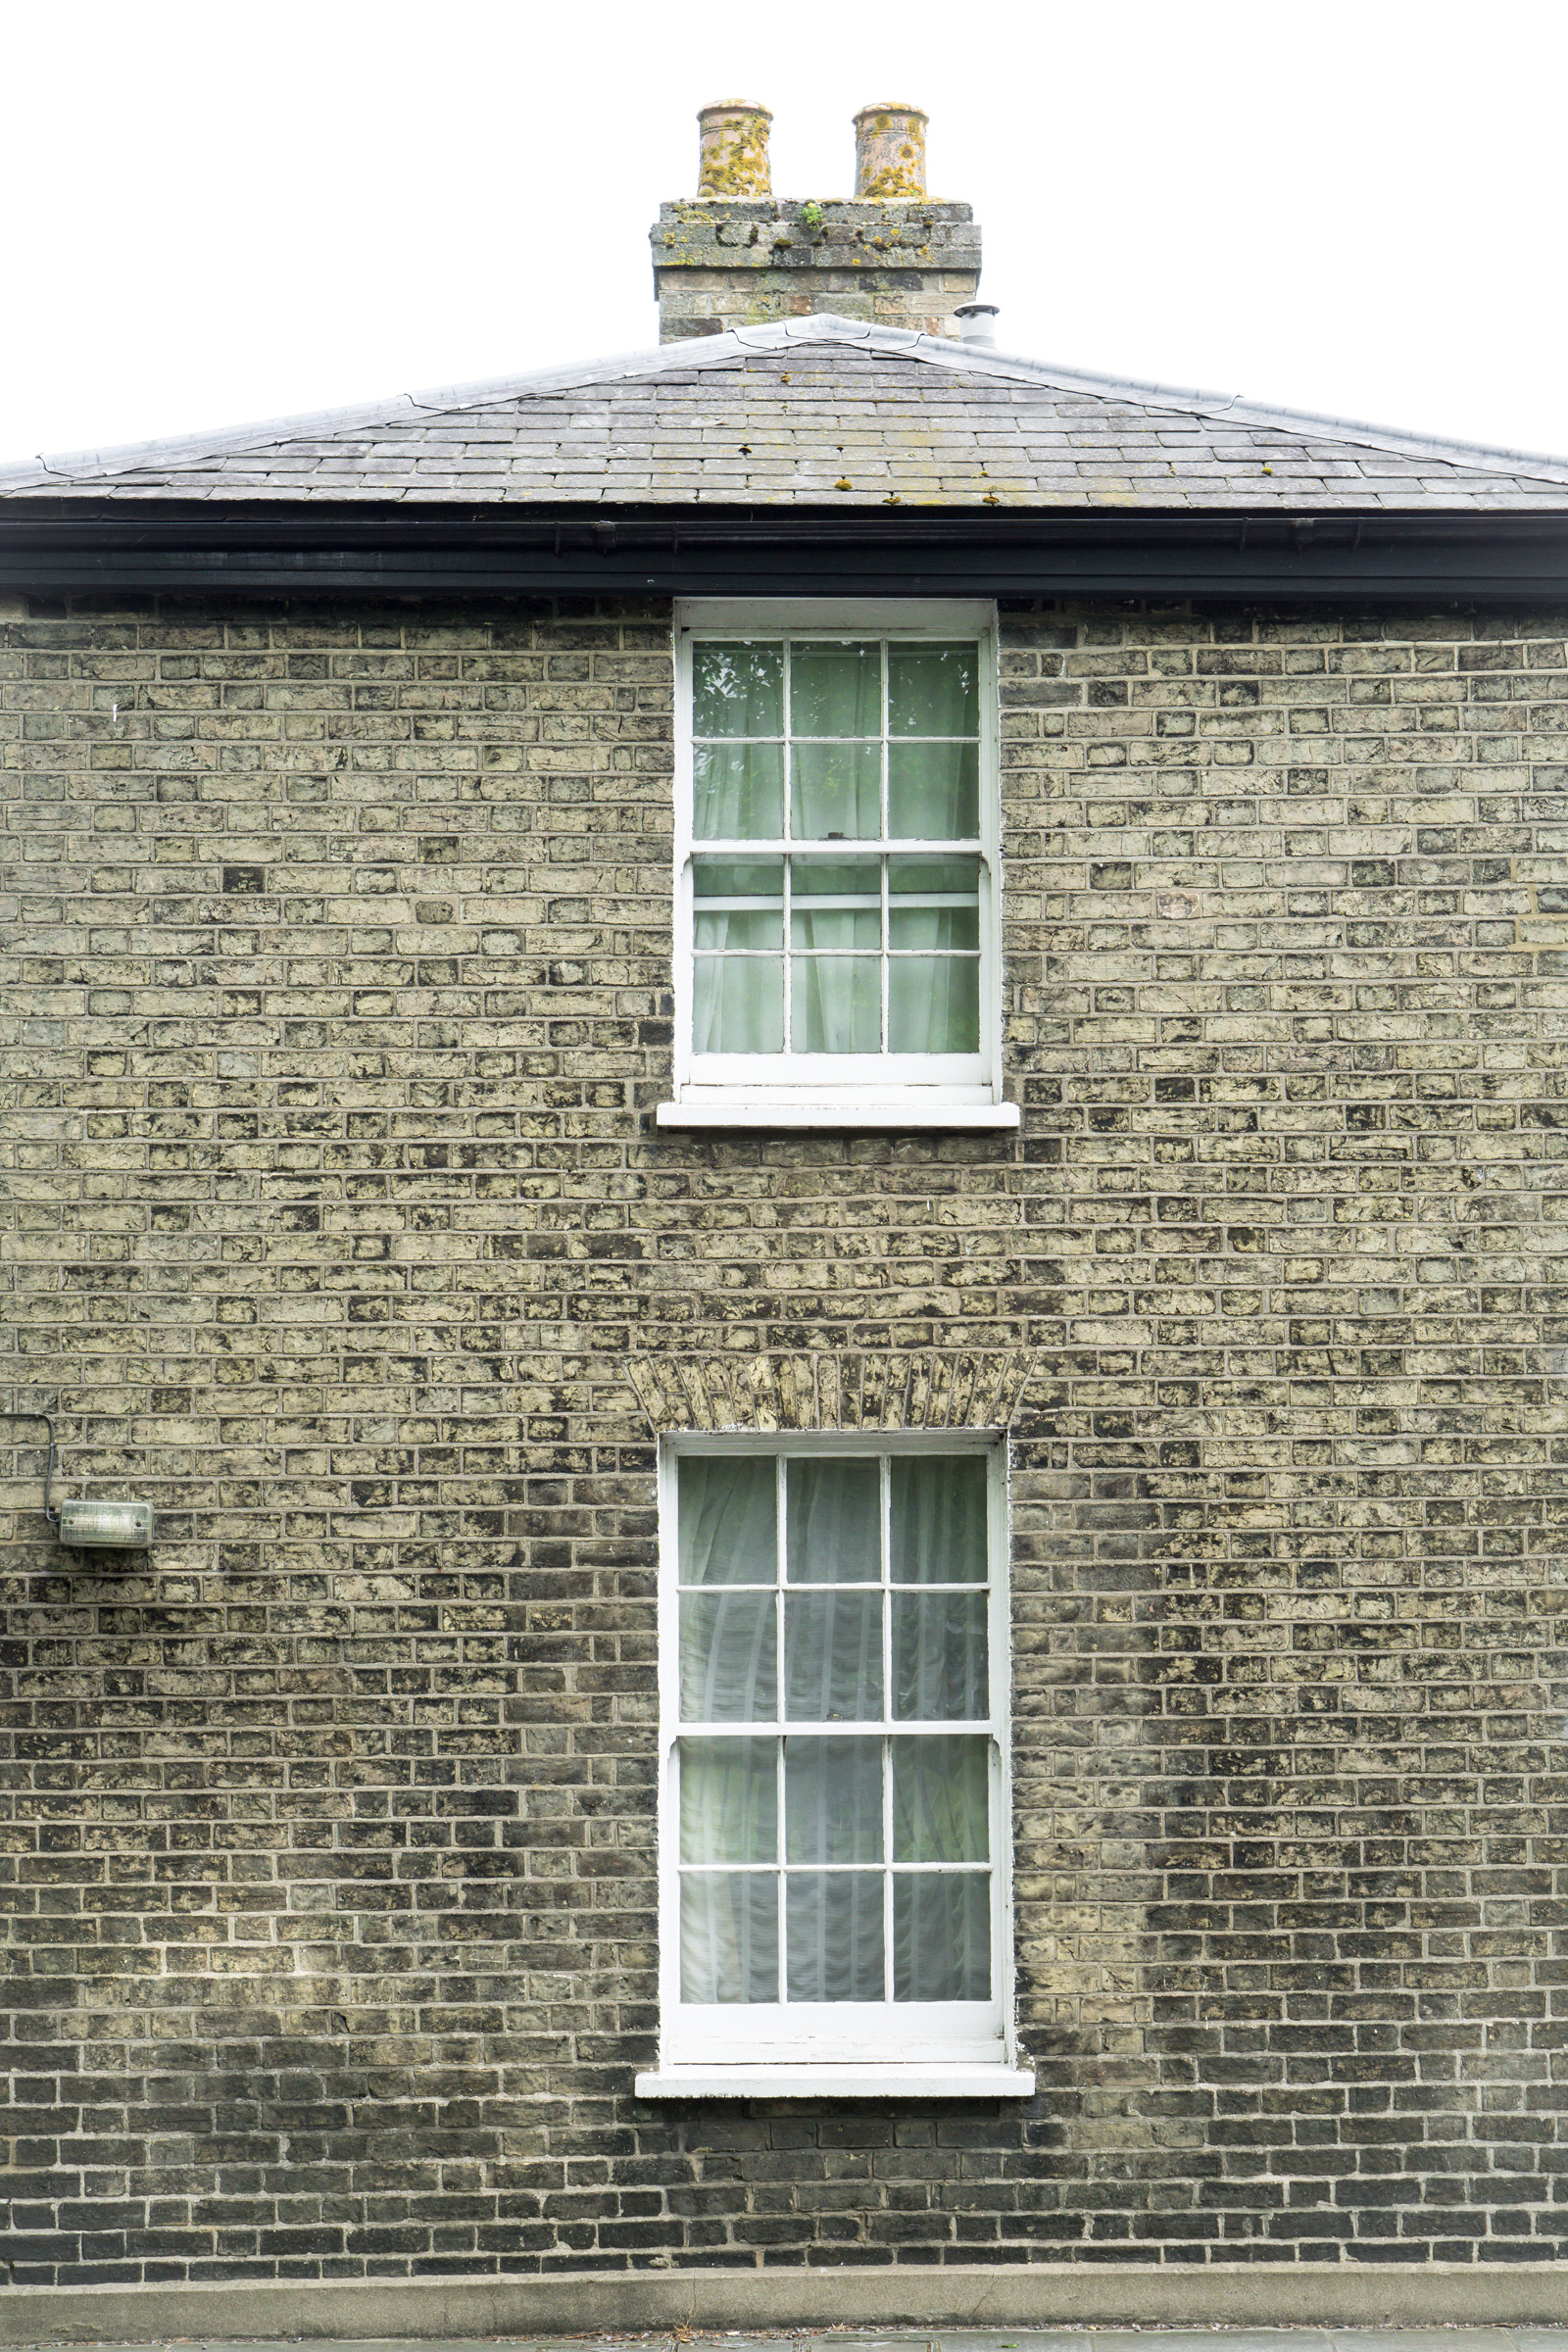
{"x": 834, "y": 1817}
{"x": 837, "y": 866}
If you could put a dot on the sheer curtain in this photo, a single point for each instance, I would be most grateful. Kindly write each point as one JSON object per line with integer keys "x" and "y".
{"x": 738, "y": 791}
{"x": 934, "y": 1005}
{"x": 737, "y": 1000}
{"x": 837, "y": 1003}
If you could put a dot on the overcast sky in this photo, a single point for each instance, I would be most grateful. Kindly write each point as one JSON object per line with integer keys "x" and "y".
{"x": 217, "y": 212}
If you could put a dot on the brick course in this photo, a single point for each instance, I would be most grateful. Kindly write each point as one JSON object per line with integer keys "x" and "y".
{"x": 340, "y": 985}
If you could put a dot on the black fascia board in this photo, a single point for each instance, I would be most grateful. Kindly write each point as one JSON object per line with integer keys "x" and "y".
{"x": 63, "y": 547}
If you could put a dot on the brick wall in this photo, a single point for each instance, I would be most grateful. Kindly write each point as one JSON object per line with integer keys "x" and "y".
{"x": 340, "y": 970}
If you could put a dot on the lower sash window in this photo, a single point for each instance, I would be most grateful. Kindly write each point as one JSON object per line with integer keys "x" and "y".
{"x": 834, "y": 1818}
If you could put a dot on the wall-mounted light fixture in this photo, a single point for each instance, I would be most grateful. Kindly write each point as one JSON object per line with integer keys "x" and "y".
{"x": 99, "y": 1526}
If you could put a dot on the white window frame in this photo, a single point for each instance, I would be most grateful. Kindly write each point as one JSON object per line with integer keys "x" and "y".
{"x": 852, "y": 2048}
{"x": 822, "y": 1091}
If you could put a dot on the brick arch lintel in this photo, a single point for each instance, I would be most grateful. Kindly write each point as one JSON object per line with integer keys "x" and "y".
{"x": 849, "y": 1389}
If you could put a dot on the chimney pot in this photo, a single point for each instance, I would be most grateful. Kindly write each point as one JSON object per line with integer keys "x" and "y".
{"x": 890, "y": 154}
{"x": 977, "y": 322}
{"x": 732, "y": 150}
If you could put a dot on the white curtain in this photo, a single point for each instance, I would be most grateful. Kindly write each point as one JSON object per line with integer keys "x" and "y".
{"x": 737, "y": 1000}
{"x": 836, "y": 689}
{"x": 836, "y": 790}
{"x": 729, "y": 1936}
{"x": 938, "y": 1519}
{"x": 933, "y": 791}
{"x": 728, "y": 1535}
{"x": 836, "y": 1007}
{"x": 727, "y": 1519}
{"x": 833, "y": 1521}
{"x": 939, "y": 1658}
{"x": 833, "y": 1936}
{"x": 934, "y": 1005}
{"x": 941, "y": 1937}
{"x": 833, "y": 1657}
{"x": 738, "y": 791}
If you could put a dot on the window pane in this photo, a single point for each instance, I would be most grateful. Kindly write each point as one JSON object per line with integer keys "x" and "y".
{"x": 940, "y": 1799}
{"x": 934, "y": 1005}
{"x": 739, "y": 878}
{"x": 738, "y": 1005}
{"x": 836, "y": 1004}
{"x": 738, "y": 690}
{"x": 729, "y": 1937}
{"x": 934, "y": 690}
{"x": 728, "y": 1659}
{"x": 833, "y": 1657}
{"x": 836, "y": 791}
{"x": 939, "y": 1518}
{"x": 839, "y": 930}
{"x": 934, "y": 878}
{"x": 738, "y": 791}
{"x": 728, "y": 1519}
{"x": 933, "y": 791}
{"x": 836, "y": 690}
{"x": 833, "y": 1800}
{"x": 942, "y": 1938}
{"x": 729, "y": 1800}
{"x": 952, "y": 928}
{"x": 938, "y": 1656}
{"x": 833, "y": 1936}
{"x": 832, "y": 884}
{"x": 753, "y": 927}
{"x": 833, "y": 1514}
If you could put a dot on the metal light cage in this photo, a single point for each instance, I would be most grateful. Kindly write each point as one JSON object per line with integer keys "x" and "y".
{"x": 91, "y": 1525}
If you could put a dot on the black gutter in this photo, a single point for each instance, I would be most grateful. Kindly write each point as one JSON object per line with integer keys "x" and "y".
{"x": 76, "y": 546}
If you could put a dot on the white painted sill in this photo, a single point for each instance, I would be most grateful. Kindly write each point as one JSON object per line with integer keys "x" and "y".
{"x": 723, "y": 1108}
{"x": 933, "y": 2082}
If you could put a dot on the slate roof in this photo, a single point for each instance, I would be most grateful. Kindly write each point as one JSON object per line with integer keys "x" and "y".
{"x": 813, "y": 411}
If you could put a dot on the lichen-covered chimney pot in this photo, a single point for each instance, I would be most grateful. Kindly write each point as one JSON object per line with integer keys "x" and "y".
{"x": 735, "y": 255}
{"x": 732, "y": 150}
{"x": 890, "y": 154}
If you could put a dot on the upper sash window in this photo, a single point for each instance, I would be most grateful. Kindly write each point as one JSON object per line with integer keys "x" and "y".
{"x": 837, "y": 853}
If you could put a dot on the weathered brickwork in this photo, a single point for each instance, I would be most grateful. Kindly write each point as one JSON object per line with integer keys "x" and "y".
{"x": 339, "y": 973}
{"x": 906, "y": 263}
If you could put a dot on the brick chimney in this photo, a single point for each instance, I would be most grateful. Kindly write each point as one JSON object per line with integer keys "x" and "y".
{"x": 734, "y": 254}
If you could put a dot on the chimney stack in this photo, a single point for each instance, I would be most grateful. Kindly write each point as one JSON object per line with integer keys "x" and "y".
{"x": 736, "y": 255}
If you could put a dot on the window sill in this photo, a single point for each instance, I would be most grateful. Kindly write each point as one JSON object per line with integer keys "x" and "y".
{"x": 722, "y": 1108}
{"x": 876, "y": 2082}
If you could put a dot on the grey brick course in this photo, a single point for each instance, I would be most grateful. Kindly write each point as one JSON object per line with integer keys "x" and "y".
{"x": 339, "y": 985}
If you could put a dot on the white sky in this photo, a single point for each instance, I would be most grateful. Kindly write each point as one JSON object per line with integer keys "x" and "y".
{"x": 214, "y": 212}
